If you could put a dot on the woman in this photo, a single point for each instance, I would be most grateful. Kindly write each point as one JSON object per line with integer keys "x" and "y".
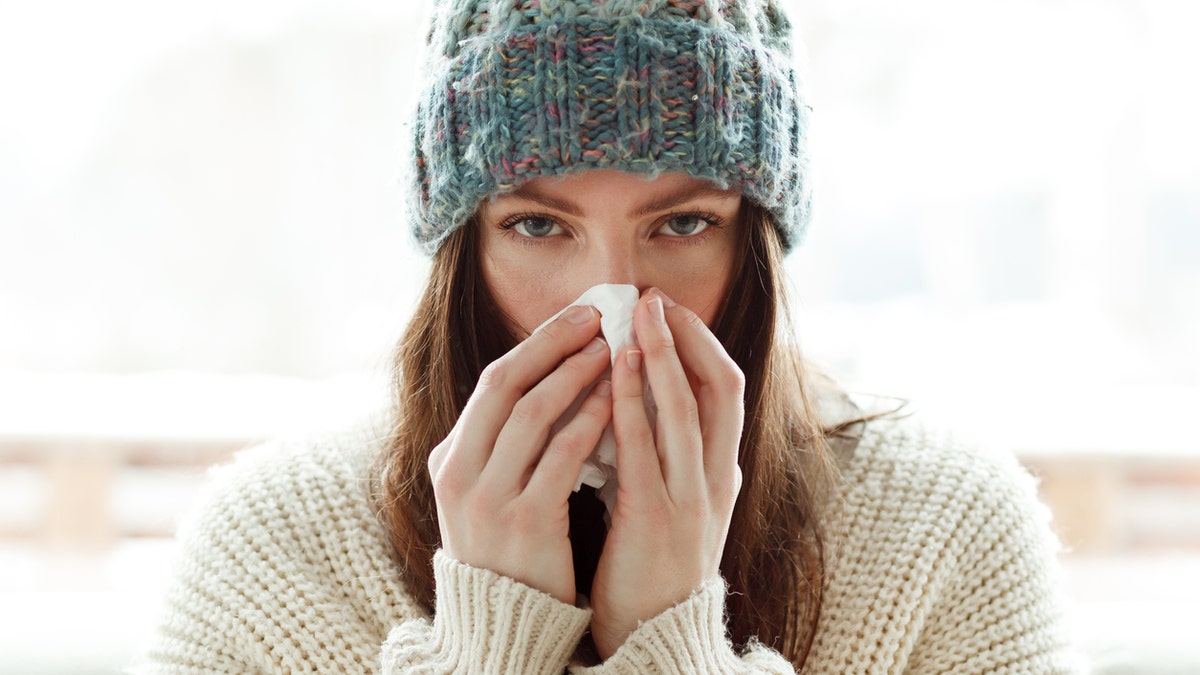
{"x": 560, "y": 145}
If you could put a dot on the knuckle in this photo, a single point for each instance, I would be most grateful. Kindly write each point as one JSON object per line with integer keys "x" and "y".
{"x": 447, "y": 483}
{"x": 731, "y": 378}
{"x": 557, "y": 329}
{"x": 636, "y": 435}
{"x": 583, "y": 365}
{"x": 693, "y": 321}
{"x": 685, "y": 408}
{"x": 596, "y": 409}
{"x": 436, "y": 458}
{"x": 725, "y": 492}
{"x": 575, "y": 368}
{"x": 494, "y": 375}
{"x": 479, "y": 506}
{"x": 553, "y": 330}
{"x": 626, "y": 387}
{"x": 658, "y": 514}
{"x": 645, "y": 436}
{"x": 659, "y": 344}
{"x": 550, "y": 334}
{"x": 693, "y": 509}
{"x": 524, "y": 517}
{"x": 568, "y": 443}
{"x": 528, "y": 410}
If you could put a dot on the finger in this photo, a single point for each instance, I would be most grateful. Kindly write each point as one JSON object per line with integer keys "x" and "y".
{"x": 638, "y": 468}
{"x": 524, "y": 435}
{"x": 557, "y": 473}
{"x": 508, "y": 378}
{"x": 437, "y": 456}
{"x": 677, "y": 438}
{"x": 719, "y": 387}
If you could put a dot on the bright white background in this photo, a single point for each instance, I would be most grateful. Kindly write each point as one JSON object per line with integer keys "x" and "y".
{"x": 1007, "y": 195}
{"x": 201, "y": 230}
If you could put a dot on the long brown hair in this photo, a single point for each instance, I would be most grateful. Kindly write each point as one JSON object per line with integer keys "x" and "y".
{"x": 775, "y": 555}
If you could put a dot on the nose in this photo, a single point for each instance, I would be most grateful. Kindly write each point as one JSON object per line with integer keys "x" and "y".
{"x": 614, "y": 262}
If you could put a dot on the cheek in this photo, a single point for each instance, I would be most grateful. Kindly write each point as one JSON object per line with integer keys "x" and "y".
{"x": 528, "y": 296}
{"x": 701, "y": 286}
{"x": 702, "y": 294}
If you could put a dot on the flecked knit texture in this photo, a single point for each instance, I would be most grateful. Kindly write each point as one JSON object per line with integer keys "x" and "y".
{"x": 945, "y": 564}
{"x": 516, "y": 89}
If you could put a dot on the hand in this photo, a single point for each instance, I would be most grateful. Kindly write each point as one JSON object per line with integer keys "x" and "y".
{"x": 501, "y": 481}
{"x": 676, "y": 485}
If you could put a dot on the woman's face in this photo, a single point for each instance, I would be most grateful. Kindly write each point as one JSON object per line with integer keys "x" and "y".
{"x": 555, "y": 237}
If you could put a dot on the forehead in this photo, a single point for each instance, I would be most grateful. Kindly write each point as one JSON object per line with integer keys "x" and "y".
{"x": 606, "y": 189}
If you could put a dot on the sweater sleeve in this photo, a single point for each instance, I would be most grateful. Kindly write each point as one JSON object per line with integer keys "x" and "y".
{"x": 688, "y": 638}
{"x": 485, "y": 623}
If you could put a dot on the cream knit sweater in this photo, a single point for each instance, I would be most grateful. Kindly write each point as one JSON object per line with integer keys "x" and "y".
{"x": 945, "y": 564}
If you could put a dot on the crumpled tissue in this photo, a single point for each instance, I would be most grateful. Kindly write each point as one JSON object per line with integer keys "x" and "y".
{"x": 615, "y": 303}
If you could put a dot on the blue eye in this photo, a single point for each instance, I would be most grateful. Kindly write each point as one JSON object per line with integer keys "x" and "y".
{"x": 685, "y": 225}
{"x": 534, "y": 227}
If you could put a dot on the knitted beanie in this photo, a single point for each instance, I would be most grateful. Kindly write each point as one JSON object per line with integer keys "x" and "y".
{"x": 516, "y": 89}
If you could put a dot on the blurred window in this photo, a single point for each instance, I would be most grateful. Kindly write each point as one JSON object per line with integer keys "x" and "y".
{"x": 1005, "y": 217}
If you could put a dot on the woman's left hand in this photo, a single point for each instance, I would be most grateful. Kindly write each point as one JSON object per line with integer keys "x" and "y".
{"x": 677, "y": 484}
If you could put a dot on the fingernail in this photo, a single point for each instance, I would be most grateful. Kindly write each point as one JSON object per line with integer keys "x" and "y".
{"x": 580, "y": 314}
{"x": 603, "y": 388}
{"x": 666, "y": 301}
{"x": 633, "y": 359}
{"x": 656, "y": 309}
{"x": 594, "y": 346}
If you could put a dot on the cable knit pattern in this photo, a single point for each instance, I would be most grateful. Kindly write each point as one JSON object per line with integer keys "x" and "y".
{"x": 944, "y": 563}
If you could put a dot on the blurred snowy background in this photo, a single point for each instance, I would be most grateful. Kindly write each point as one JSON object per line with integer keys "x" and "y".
{"x": 202, "y": 245}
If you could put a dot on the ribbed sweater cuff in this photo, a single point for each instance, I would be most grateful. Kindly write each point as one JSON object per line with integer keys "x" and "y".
{"x": 687, "y": 638}
{"x": 498, "y": 625}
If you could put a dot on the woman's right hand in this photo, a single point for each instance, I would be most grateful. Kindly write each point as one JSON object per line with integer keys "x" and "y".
{"x": 500, "y": 479}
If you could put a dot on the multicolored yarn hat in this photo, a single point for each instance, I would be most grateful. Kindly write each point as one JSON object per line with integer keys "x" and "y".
{"x": 517, "y": 89}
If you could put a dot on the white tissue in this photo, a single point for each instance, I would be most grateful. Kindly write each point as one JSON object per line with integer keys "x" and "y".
{"x": 615, "y": 303}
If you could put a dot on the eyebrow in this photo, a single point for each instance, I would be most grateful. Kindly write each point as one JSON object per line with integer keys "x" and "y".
{"x": 673, "y": 199}
{"x": 660, "y": 203}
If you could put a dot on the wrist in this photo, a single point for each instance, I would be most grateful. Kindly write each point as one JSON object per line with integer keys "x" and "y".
{"x": 609, "y": 639}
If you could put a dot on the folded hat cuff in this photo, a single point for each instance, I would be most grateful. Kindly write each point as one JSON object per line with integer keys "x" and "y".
{"x": 639, "y": 95}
